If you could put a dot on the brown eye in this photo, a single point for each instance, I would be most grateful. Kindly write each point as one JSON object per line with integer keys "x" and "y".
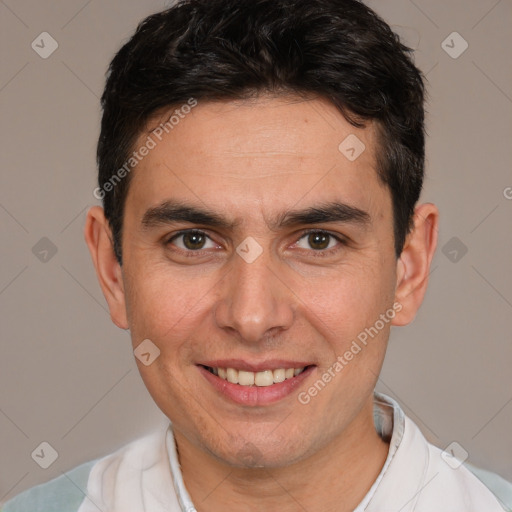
{"x": 318, "y": 241}
{"x": 191, "y": 240}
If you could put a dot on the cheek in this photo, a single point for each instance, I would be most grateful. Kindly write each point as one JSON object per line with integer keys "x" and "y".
{"x": 164, "y": 304}
{"x": 342, "y": 304}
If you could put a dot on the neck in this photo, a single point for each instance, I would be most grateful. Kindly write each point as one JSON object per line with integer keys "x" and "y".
{"x": 335, "y": 478}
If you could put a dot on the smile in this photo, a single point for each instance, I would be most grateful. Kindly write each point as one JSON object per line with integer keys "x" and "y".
{"x": 261, "y": 378}
{"x": 255, "y": 384}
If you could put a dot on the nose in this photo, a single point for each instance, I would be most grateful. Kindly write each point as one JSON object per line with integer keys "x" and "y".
{"x": 254, "y": 302}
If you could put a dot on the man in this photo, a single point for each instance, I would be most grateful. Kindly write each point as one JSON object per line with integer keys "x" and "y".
{"x": 260, "y": 164}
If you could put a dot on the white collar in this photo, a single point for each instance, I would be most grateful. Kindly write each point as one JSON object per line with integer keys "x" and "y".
{"x": 145, "y": 475}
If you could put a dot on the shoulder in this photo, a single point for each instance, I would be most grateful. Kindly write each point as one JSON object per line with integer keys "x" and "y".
{"x": 71, "y": 491}
{"x": 65, "y": 493}
{"x": 457, "y": 484}
{"x": 500, "y": 487}
{"x": 421, "y": 477}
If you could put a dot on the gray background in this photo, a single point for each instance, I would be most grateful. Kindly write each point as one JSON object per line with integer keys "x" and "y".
{"x": 68, "y": 375}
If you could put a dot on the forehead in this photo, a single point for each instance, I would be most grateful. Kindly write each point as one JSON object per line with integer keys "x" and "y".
{"x": 265, "y": 153}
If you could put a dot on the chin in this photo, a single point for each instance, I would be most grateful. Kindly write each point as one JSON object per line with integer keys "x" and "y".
{"x": 269, "y": 453}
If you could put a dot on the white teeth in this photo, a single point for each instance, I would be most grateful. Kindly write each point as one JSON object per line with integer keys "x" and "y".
{"x": 263, "y": 378}
{"x": 232, "y": 375}
{"x": 279, "y": 375}
{"x": 245, "y": 378}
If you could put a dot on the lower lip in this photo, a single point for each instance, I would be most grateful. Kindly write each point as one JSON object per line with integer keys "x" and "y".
{"x": 256, "y": 395}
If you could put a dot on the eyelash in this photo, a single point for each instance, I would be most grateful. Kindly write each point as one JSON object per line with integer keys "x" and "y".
{"x": 315, "y": 253}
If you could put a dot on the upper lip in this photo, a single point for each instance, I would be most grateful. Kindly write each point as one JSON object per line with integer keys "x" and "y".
{"x": 240, "y": 364}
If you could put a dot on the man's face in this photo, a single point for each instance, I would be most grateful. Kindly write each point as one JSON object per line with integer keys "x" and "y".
{"x": 259, "y": 292}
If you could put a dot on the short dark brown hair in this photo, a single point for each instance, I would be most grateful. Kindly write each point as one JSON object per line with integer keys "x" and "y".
{"x": 339, "y": 50}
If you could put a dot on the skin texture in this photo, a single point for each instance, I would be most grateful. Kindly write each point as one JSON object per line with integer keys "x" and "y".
{"x": 251, "y": 161}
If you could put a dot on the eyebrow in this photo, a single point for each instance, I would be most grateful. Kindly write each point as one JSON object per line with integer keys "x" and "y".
{"x": 170, "y": 212}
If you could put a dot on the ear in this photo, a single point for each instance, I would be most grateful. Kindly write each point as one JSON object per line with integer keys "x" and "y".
{"x": 99, "y": 240}
{"x": 413, "y": 266}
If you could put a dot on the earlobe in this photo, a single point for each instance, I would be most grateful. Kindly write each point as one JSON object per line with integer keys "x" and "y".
{"x": 99, "y": 240}
{"x": 413, "y": 266}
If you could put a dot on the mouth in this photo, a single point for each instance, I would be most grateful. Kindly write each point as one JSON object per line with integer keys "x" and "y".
{"x": 255, "y": 385}
{"x": 262, "y": 378}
